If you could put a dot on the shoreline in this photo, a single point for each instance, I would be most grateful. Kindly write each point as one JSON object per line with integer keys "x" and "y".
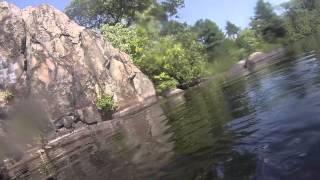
{"x": 74, "y": 141}
{"x": 255, "y": 63}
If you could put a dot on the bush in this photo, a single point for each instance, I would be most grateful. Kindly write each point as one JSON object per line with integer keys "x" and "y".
{"x": 164, "y": 82}
{"x": 127, "y": 39}
{"x": 106, "y": 103}
{"x": 171, "y": 57}
{"x": 168, "y": 60}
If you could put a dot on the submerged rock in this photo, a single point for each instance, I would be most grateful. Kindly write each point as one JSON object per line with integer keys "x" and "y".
{"x": 47, "y": 57}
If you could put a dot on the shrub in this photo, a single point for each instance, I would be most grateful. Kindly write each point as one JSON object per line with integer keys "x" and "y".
{"x": 169, "y": 60}
{"x": 127, "y": 39}
{"x": 106, "y": 103}
{"x": 164, "y": 82}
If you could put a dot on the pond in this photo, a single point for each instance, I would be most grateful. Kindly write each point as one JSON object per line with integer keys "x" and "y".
{"x": 265, "y": 125}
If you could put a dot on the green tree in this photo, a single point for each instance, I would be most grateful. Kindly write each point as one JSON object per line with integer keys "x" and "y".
{"x": 249, "y": 41}
{"x": 173, "y": 28}
{"x": 166, "y": 59}
{"x": 169, "y": 56}
{"x": 164, "y": 82}
{"x": 232, "y": 30}
{"x": 208, "y": 34}
{"x": 130, "y": 40}
{"x": 171, "y": 6}
{"x": 301, "y": 18}
{"x": 266, "y": 22}
{"x": 94, "y": 13}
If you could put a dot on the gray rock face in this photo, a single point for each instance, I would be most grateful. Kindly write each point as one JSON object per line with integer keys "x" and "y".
{"x": 49, "y": 58}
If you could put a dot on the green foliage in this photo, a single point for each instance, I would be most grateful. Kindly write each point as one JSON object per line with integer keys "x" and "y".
{"x": 230, "y": 54}
{"x": 173, "y": 28}
{"x": 208, "y": 34}
{"x": 167, "y": 55}
{"x": 174, "y": 54}
{"x": 232, "y": 30}
{"x": 164, "y": 82}
{"x": 94, "y": 13}
{"x": 266, "y": 23}
{"x": 171, "y": 6}
{"x": 301, "y": 18}
{"x": 106, "y": 103}
{"x": 179, "y": 57}
{"x": 126, "y": 39}
{"x": 249, "y": 41}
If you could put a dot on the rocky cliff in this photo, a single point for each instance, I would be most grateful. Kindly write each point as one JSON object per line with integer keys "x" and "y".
{"x": 56, "y": 68}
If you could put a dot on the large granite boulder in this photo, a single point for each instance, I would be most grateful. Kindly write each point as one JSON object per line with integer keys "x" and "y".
{"x": 47, "y": 58}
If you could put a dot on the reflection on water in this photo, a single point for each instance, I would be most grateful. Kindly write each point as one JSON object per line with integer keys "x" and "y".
{"x": 134, "y": 148}
{"x": 262, "y": 126}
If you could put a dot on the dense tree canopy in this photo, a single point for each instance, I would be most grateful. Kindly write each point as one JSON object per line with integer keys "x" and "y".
{"x": 249, "y": 41}
{"x": 301, "y": 18}
{"x": 208, "y": 33}
{"x": 93, "y": 13}
{"x": 266, "y": 23}
{"x": 173, "y": 27}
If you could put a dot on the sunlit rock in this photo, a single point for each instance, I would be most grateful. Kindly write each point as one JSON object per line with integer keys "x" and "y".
{"x": 49, "y": 58}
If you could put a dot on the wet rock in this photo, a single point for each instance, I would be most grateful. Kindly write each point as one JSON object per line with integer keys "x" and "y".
{"x": 59, "y": 125}
{"x": 172, "y": 92}
{"x": 48, "y": 57}
{"x": 253, "y": 59}
{"x": 256, "y": 56}
{"x": 68, "y": 122}
{"x": 88, "y": 115}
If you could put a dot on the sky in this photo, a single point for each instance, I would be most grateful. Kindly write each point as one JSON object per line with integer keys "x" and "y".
{"x": 219, "y": 11}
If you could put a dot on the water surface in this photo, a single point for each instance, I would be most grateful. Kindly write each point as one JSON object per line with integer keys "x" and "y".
{"x": 262, "y": 126}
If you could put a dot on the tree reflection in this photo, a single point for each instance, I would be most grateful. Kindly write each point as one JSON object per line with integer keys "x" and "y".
{"x": 203, "y": 145}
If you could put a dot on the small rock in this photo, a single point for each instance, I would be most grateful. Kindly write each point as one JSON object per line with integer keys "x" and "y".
{"x": 58, "y": 125}
{"x": 172, "y": 92}
{"x": 89, "y": 115}
{"x": 68, "y": 122}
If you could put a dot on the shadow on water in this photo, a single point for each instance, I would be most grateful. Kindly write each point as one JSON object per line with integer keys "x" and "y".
{"x": 262, "y": 126}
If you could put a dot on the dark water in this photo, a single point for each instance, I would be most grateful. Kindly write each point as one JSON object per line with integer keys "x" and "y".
{"x": 265, "y": 126}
